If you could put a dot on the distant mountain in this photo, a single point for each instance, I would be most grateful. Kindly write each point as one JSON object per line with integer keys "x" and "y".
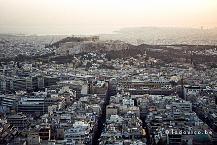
{"x": 73, "y": 39}
{"x": 197, "y": 54}
{"x": 164, "y": 36}
{"x": 75, "y": 47}
{"x": 65, "y": 48}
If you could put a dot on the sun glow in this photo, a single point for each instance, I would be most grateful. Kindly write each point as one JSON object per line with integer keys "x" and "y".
{"x": 106, "y": 14}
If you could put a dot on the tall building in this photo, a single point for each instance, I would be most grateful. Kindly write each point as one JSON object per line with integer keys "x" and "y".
{"x": 9, "y": 101}
{"x": 32, "y": 105}
{"x": 18, "y": 120}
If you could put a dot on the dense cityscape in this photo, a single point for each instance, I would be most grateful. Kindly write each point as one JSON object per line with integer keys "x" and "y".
{"x": 82, "y": 90}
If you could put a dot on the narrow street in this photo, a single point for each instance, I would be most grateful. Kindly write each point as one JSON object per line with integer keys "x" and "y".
{"x": 102, "y": 119}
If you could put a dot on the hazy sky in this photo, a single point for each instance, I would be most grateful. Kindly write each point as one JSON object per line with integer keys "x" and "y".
{"x": 102, "y": 16}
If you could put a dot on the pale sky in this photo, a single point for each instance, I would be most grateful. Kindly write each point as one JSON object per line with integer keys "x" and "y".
{"x": 102, "y": 16}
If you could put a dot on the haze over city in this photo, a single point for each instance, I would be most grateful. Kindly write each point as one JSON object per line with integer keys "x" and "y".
{"x": 102, "y": 16}
{"x": 108, "y": 72}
